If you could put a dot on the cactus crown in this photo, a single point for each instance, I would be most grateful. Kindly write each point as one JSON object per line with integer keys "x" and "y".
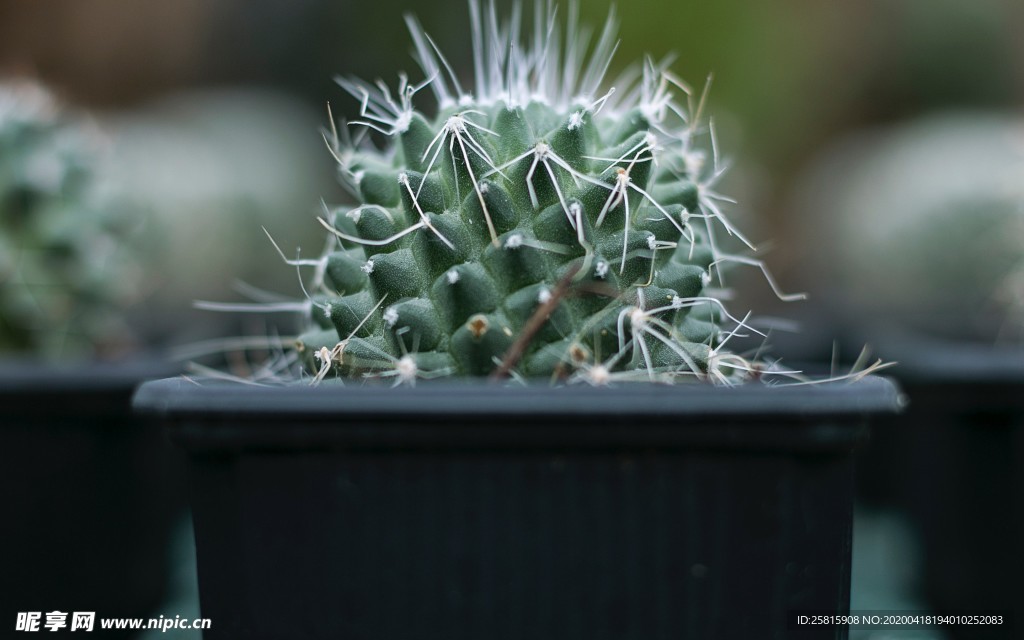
{"x": 60, "y": 243}
{"x": 538, "y": 225}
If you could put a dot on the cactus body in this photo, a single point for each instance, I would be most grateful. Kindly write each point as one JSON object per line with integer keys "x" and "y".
{"x": 534, "y": 221}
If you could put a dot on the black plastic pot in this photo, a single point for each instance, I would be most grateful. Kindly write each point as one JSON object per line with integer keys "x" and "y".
{"x": 455, "y": 511}
{"x": 89, "y": 492}
{"x": 960, "y": 473}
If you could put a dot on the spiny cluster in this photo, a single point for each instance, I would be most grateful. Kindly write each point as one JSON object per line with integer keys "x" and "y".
{"x": 534, "y": 227}
{"x": 60, "y": 245}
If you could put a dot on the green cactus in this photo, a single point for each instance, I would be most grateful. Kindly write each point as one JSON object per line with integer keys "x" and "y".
{"x": 60, "y": 245}
{"x": 911, "y": 246}
{"x": 536, "y": 225}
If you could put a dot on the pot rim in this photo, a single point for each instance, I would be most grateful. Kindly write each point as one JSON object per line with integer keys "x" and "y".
{"x": 26, "y": 375}
{"x": 45, "y": 391}
{"x": 182, "y": 396}
{"x": 218, "y": 417}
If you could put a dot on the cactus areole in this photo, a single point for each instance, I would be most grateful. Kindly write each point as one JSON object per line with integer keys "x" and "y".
{"x": 540, "y": 225}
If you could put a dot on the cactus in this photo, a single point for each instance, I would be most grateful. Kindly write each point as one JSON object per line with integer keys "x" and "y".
{"x": 537, "y": 225}
{"x": 912, "y": 246}
{"x": 60, "y": 245}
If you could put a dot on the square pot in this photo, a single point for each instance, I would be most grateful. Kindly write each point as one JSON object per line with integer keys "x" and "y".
{"x": 90, "y": 492}
{"x": 956, "y": 460}
{"x": 463, "y": 510}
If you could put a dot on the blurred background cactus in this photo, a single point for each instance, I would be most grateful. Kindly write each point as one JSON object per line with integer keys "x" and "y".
{"x": 206, "y": 169}
{"x": 938, "y": 251}
{"x": 98, "y": 210}
{"x": 65, "y": 269}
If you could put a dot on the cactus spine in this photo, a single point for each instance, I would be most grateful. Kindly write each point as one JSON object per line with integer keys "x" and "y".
{"x": 536, "y": 225}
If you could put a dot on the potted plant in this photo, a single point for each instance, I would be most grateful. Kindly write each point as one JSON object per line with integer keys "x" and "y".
{"x": 594, "y": 461}
{"x": 89, "y": 495}
{"x": 930, "y": 267}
